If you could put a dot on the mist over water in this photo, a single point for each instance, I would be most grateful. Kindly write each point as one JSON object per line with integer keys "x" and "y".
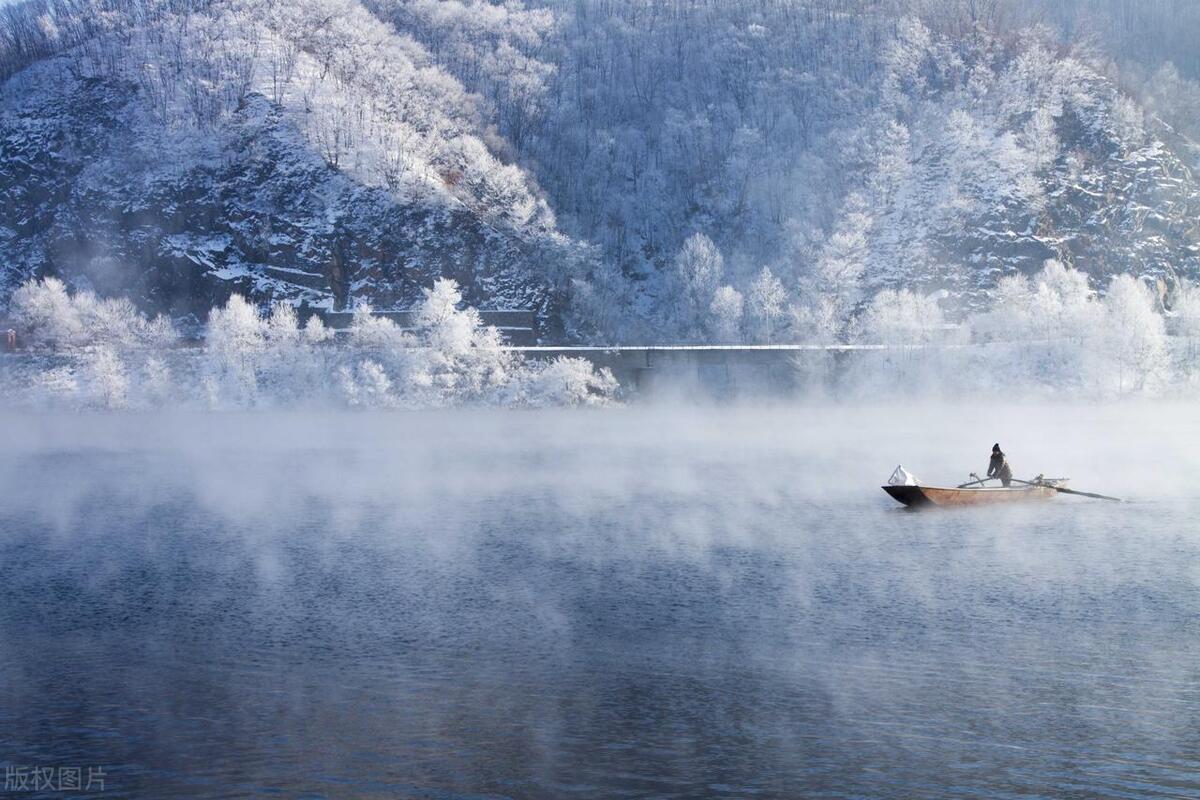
{"x": 641, "y": 602}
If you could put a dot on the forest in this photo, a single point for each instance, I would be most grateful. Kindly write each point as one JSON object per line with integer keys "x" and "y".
{"x": 646, "y": 171}
{"x": 1038, "y": 337}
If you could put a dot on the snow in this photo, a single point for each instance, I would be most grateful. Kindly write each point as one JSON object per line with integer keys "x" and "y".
{"x": 333, "y": 151}
{"x": 115, "y": 358}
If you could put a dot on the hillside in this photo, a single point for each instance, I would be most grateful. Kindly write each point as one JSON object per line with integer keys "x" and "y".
{"x": 229, "y": 150}
{"x": 558, "y": 155}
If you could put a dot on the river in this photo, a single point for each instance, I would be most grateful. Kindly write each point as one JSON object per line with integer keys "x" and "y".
{"x": 646, "y": 602}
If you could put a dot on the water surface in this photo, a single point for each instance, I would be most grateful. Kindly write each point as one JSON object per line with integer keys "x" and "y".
{"x": 632, "y": 603}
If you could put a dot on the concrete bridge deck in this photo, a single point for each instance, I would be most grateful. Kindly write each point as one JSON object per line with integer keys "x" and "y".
{"x": 714, "y": 369}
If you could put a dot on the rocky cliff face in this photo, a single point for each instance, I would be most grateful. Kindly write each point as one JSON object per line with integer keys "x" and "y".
{"x": 91, "y": 191}
{"x": 301, "y": 152}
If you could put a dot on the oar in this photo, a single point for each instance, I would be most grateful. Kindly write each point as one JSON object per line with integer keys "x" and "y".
{"x": 972, "y": 483}
{"x": 1062, "y": 490}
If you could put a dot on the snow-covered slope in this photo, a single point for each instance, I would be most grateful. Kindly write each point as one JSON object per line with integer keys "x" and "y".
{"x": 1018, "y": 155}
{"x": 936, "y": 144}
{"x": 559, "y": 154}
{"x": 295, "y": 151}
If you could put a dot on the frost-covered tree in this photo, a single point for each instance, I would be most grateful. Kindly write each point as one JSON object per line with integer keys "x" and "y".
{"x": 1062, "y": 334}
{"x": 568, "y": 382}
{"x": 892, "y": 163}
{"x": 465, "y": 359}
{"x": 49, "y": 316}
{"x": 442, "y": 324}
{"x": 1040, "y": 137}
{"x": 315, "y": 332}
{"x": 903, "y": 318}
{"x": 236, "y": 338}
{"x": 913, "y": 328}
{"x": 45, "y": 314}
{"x": 600, "y": 304}
{"x": 366, "y": 385}
{"x": 903, "y": 60}
{"x": 371, "y": 332}
{"x": 837, "y": 280}
{"x": 157, "y": 385}
{"x": 1173, "y": 97}
{"x": 249, "y": 360}
{"x": 727, "y": 309}
{"x": 766, "y": 307}
{"x": 292, "y": 364}
{"x": 1134, "y": 336}
{"x": 1010, "y": 314}
{"x": 283, "y": 326}
{"x": 106, "y": 379}
{"x": 697, "y": 270}
{"x": 1183, "y": 323}
{"x": 1185, "y": 311}
{"x": 1057, "y": 304}
{"x": 1056, "y": 319}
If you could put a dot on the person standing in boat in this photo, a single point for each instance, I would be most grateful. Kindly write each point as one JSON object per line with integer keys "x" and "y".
{"x": 998, "y": 467}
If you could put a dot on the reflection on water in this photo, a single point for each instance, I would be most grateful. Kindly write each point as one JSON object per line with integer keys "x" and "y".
{"x": 720, "y": 603}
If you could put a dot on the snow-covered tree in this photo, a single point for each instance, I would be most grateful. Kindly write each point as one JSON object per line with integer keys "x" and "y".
{"x": 1134, "y": 339}
{"x": 837, "y": 282}
{"x": 49, "y": 316}
{"x": 766, "y": 307}
{"x": 1040, "y": 137}
{"x": 315, "y": 332}
{"x": 106, "y": 379}
{"x": 892, "y": 163}
{"x": 1056, "y": 318}
{"x": 1010, "y": 314}
{"x": 903, "y": 318}
{"x": 696, "y": 272}
{"x": 366, "y": 385}
{"x": 157, "y": 385}
{"x": 1183, "y": 323}
{"x": 237, "y": 337}
{"x": 903, "y": 60}
{"x": 726, "y": 310}
{"x": 371, "y": 332}
{"x": 465, "y": 359}
{"x": 568, "y": 382}
{"x": 45, "y": 313}
{"x": 1064, "y": 335}
{"x": 291, "y": 365}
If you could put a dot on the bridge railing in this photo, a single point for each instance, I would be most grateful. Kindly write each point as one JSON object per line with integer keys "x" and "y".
{"x": 518, "y": 326}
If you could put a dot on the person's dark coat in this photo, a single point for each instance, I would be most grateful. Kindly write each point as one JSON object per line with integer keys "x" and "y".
{"x": 998, "y": 468}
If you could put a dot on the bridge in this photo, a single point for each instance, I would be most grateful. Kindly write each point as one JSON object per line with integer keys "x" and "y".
{"x": 711, "y": 369}
{"x": 517, "y": 326}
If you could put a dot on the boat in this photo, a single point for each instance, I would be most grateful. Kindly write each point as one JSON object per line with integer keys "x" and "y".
{"x": 925, "y": 496}
{"x": 906, "y": 488}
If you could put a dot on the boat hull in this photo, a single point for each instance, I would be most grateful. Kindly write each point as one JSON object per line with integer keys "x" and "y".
{"x": 933, "y": 496}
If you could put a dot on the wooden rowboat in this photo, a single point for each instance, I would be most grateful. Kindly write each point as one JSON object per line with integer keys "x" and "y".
{"x": 924, "y": 496}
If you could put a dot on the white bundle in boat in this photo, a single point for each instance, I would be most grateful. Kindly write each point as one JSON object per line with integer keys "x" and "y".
{"x": 902, "y": 477}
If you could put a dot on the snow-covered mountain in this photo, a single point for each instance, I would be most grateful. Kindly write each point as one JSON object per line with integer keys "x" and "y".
{"x": 563, "y": 156}
{"x": 989, "y": 158}
{"x": 288, "y": 151}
